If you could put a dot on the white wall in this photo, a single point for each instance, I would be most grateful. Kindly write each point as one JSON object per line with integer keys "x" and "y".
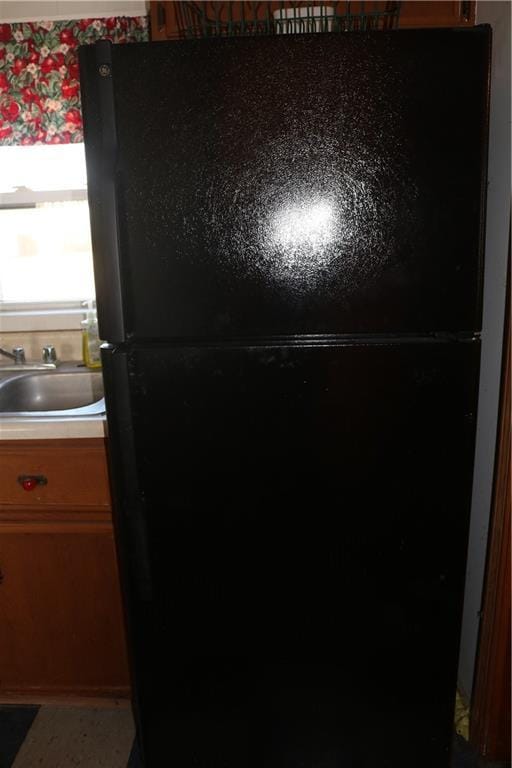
{"x": 69, "y": 9}
{"x": 496, "y": 254}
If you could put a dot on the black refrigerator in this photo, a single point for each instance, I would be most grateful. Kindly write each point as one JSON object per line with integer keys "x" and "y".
{"x": 288, "y": 241}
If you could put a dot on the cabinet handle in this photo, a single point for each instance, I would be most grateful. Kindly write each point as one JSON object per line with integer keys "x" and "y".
{"x": 465, "y": 10}
{"x": 160, "y": 15}
{"x": 29, "y": 482}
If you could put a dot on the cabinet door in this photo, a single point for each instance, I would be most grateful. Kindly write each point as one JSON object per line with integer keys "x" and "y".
{"x": 60, "y": 615}
{"x": 164, "y": 25}
{"x": 442, "y": 13}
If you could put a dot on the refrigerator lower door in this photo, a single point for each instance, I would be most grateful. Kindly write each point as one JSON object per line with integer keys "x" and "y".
{"x": 292, "y": 527}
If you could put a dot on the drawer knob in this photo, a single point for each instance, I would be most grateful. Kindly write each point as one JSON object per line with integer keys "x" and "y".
{"x": 29, "y": 482}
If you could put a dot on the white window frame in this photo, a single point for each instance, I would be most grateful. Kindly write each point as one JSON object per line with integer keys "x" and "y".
{"x": 24, "y": 196}
{"x": 40, "y": 315}
{"x": 66, "y": 11}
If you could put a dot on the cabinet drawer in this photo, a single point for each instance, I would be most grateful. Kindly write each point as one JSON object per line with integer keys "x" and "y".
{"x": 70, "y": 472}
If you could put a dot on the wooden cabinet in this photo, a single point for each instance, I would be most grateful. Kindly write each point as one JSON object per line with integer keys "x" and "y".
{"x": 60, "y": 608}
{"x": 436, "y": 14}
{"x": 75, "y": 472}
{"x": 163, "y": 21}
{"x": 167, "y": 18}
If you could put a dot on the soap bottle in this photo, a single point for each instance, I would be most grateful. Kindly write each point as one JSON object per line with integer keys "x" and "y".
{"x": 91, "y": 341}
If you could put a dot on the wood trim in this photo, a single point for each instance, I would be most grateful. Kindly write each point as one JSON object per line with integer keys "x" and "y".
{"x": 65, "y": 527}
{"x": 490, "y": 712}
{"x": 64, "y": 443}
{"x": 117, "y": 697}
{"x": 12, "y": 513}
{"x": 39, "y": 509}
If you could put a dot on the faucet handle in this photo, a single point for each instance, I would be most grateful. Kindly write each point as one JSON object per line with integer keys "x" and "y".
{"x": 19, "y": 355}
{"x": 49, "y": 354}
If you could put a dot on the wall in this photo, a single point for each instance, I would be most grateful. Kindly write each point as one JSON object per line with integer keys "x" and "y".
{"x": 496, "y": 254}
{"x": 68, "y": 9}
{"x": 68, "y": 344}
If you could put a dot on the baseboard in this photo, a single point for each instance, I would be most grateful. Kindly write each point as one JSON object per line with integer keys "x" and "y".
{"x": 65, "y": 699}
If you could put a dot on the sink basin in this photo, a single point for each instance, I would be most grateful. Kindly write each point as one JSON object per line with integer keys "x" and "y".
{"x": 52, "y": 393}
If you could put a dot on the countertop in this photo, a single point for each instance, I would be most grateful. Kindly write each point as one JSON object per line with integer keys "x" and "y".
{"x": 46, "y": 429}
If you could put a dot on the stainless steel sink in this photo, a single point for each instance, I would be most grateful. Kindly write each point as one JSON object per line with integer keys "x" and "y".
{"x": 73, "y": 392}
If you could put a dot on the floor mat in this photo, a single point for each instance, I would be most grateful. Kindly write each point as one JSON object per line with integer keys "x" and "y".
{"x": 15, "y": 723}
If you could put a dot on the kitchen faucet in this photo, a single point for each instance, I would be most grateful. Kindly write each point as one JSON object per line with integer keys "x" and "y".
{"x": 17, "y": 354}
{"x": 18, "y": 357}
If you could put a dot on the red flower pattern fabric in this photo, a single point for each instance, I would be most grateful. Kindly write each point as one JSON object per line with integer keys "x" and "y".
{"x": 39, "y": 75}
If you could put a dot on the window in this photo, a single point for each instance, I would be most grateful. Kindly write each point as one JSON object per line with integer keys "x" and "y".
{"x": 45, "y": 247}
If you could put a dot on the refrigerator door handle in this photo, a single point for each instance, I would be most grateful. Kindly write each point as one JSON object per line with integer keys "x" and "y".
{"x": 101, "y": 152}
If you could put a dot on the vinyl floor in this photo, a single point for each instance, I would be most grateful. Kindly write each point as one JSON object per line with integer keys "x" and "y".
{"x": 79, "y": 737}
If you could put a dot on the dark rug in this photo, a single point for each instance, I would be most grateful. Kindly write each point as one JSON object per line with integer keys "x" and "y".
{"x": 462, "y": 754}
{"x": 134, "y": 761}
{"x": 15, "y": 723}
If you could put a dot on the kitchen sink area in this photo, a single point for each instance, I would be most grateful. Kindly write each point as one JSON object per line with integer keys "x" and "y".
{"x": 67, "y": 391}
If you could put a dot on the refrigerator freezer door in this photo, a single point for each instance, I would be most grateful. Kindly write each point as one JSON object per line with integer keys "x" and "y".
{"x": 296, "y": 184}
{"x": 294, "y": 580}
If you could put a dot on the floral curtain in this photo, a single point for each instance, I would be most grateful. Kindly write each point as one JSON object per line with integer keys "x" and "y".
{"x": 39, "y": 75}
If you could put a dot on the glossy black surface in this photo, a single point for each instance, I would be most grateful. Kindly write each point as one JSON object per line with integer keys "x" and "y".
{"x": 297, "y": 183}
{"x": 294, "y": 577}
{"x": 291, "y": 513}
